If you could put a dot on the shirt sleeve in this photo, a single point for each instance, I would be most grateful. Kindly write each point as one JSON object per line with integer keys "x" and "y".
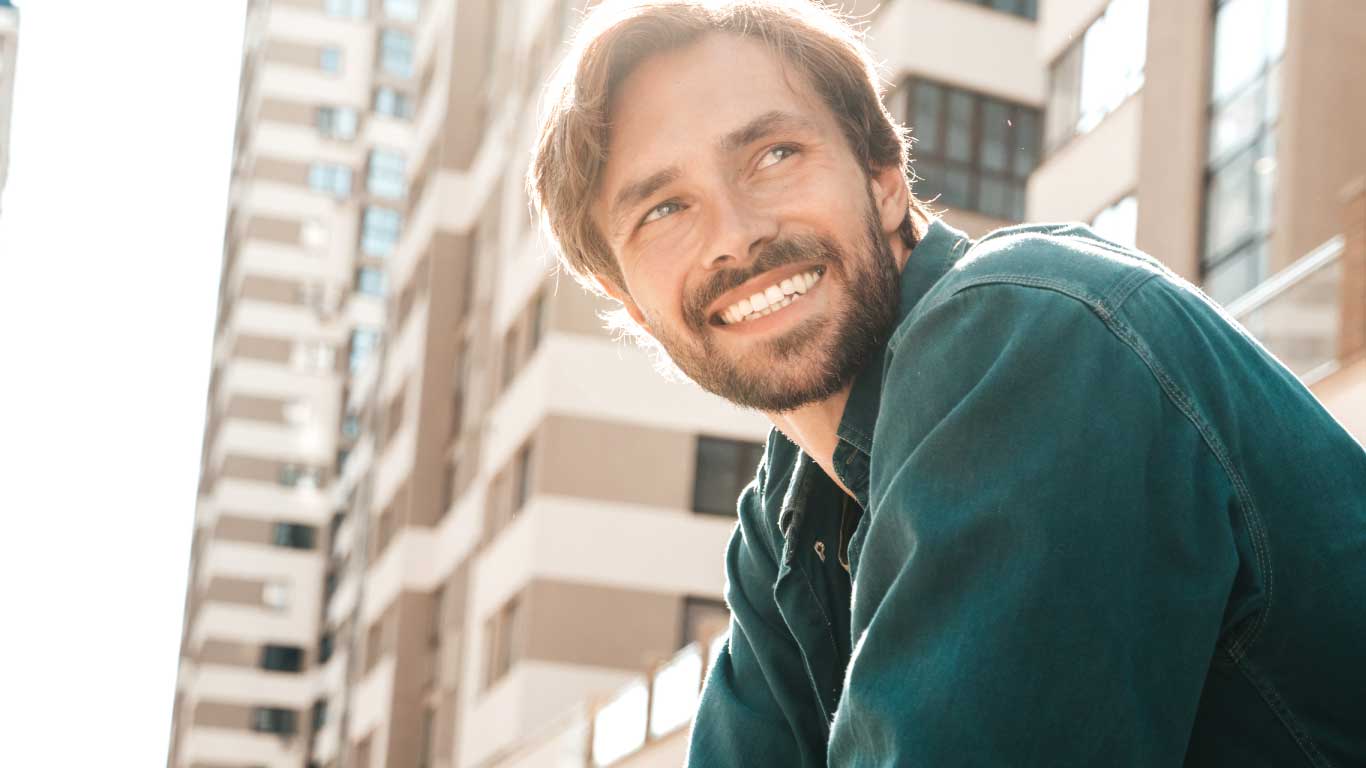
{"x": 752, "y": 711}
{"x": 1048, "y": 555}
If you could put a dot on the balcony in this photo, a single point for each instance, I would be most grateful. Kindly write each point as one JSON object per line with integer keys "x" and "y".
{"x": 1297, "y": 313}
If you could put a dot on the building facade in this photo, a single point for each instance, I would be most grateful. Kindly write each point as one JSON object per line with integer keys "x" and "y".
{"x": 445, "y": 520}
{"x": 9, "y": 53}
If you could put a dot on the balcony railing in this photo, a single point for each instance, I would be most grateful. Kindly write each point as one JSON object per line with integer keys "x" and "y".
{"x": 645, "y": 710}
{"x": 1296, "y": 313}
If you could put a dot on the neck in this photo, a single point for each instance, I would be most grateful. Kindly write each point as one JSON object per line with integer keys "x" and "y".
{"x": 814, "y": 428}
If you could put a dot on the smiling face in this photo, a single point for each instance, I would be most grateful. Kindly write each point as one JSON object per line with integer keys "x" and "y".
{"x": 754, "y": 246}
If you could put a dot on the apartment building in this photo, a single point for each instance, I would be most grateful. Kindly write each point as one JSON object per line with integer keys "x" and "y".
{"x": 9, "y": 51}
{"x": 317, "y": 188}
{"x": 446, "y": 521}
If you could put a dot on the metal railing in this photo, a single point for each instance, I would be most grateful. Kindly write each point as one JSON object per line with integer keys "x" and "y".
{"x": 1296, "y": 313}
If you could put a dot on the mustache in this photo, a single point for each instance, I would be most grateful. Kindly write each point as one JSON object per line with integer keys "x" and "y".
{"x": 779, "y": 253}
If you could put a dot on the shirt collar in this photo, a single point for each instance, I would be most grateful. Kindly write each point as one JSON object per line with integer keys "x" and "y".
{"x": 930, "y": 260}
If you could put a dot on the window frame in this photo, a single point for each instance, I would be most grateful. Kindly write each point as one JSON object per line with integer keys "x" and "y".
{"x": 745, "y": 471}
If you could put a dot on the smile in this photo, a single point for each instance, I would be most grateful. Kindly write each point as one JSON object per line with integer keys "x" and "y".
{"x": 772, "y": 298}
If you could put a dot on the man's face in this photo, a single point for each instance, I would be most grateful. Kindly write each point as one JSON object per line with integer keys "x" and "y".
{"x": 754, "y": 245}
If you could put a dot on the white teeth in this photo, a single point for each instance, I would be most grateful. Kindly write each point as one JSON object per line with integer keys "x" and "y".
{"x": 772, "y": 299}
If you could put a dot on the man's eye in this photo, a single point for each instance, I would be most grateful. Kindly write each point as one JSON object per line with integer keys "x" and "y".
{"x": 777, "y": 155}
{"x": 660, "y": 211}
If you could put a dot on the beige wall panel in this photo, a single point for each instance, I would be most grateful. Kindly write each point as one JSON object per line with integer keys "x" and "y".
{"x": 274, "y": 289}
{"x": 1090, "y": 171}
{"x": 244, "y": 529}
{"x": 574, "y": 310}
{"x": 615, "y": 461}
{"x": 255, "y": 408}
{"x": 224, "y": 589}
{"x": 228, "y": 653}
{"x": 465, "y": 114}
{"x": 296, "y": 54}
{"x": 217, "y": 715}
{"x": 1171, "y": 175}
{"x": 1322, "y": 143}
{"x": 599, "y": 626}
{"x": 1063, "y": 22}
{"x": 286, "y": 231}
{"x": 284, "y": 171}
{"x": 263, "y": 348}
{"x": 290, "y": 112}
{"x": 250, "y": 468}
{"x": 973, "y": 223}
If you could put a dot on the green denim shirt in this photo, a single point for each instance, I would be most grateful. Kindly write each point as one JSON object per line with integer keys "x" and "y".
{"x": 1096, "y": 524}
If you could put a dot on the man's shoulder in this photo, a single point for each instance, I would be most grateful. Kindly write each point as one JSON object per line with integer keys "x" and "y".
{"x": 1068, "y": 259}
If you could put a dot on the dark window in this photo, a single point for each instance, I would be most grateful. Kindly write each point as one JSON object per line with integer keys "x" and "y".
{"x": 971, "y": 151}
{"x": 724, "y": 468}
{"x": 502, "y": 633}
{"x": 294, "y": 536}
{"x": 325, "y": 646}
{"x": 319, "y": 714}
{"x": 1026, "y": 9}
{"x": 703, "y": 619}
{"x": 274, "y": 720}
{"x": 282, "y": 658}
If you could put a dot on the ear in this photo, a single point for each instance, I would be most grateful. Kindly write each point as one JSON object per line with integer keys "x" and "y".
{"x": 891, "y": 198}
{"x": 621, "y": 295}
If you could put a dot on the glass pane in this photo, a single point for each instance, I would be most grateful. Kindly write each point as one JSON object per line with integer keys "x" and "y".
{"x": 1240, "y": 45}
{"x": 926, "y": 106}
{"x": 718, "y": 479}
{"x": 1026, "y": 141}
{"x": 1238, "y": 274}
{"x": 994, "y": 148}
{"x": 1229, "y": 202}
{"x": 958, "y": 142}
{"x": 619, "y": 727}
{"x": 1235, "y": 124}
{"x": 676, "y": 687}
{"x": 956, "y": 188}
{"x": 995, "y": 198}
{"x": 1264, "y": 167}
{"x": 402, "y": 10}
{"x": 1064, "y": 97}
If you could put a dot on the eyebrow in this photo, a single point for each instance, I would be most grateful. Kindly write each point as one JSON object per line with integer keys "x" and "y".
{"x": 768, "y": 123}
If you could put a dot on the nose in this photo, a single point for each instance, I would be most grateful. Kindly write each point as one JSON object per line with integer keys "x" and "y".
{"x": 739, "y": 230}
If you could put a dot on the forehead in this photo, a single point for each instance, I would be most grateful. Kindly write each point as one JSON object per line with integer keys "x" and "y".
{"x": 680, "y": 103}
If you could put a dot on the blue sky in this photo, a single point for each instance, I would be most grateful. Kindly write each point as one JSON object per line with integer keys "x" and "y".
{"x": 110, "y": 242}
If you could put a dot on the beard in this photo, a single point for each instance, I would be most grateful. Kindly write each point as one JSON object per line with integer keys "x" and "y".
{"x": 812, "y": 361}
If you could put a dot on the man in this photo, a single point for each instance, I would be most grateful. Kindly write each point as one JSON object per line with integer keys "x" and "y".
{"x": 1030, "y": 500}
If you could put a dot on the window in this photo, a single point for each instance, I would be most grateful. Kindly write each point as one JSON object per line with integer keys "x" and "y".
{"x": 1096, "y": 74}
{"x": 971, "y": 151}
{"x": 275, "y": 594}
{"x": 319, "y": 714}
{"x": 1119, "y": 222}
{"x": 521, "y": 479}
{"x": 330, "y": 60}
{"x": 1249, "y": 43}
{"x": 371, "y": 281}
{"x": 402, "y": 10}
{"x": 296, "y": 476}
{"x": 294, "y": 536}
{"x": 379, "y": 230}
{"x": 1028, "y": 9}
{"x": 274, "y": 720}
{"x": 282, "y": 658}
{"x": 326, "y": 645}
{"x": 396, "y": 53}
{"x": 503, "y": 642}
{"x": 330, "y": 178}
{"x": 384, "y": 176}
{"x": 337, "y": 122}
{"x": 363, "y": 344}
{"x": 424, "y": 741}
{"x": 351, "y": 9}
{"x": 393, "y": 103}
{"x": 724, "y": 468}
{"x": 703, "y": 619}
